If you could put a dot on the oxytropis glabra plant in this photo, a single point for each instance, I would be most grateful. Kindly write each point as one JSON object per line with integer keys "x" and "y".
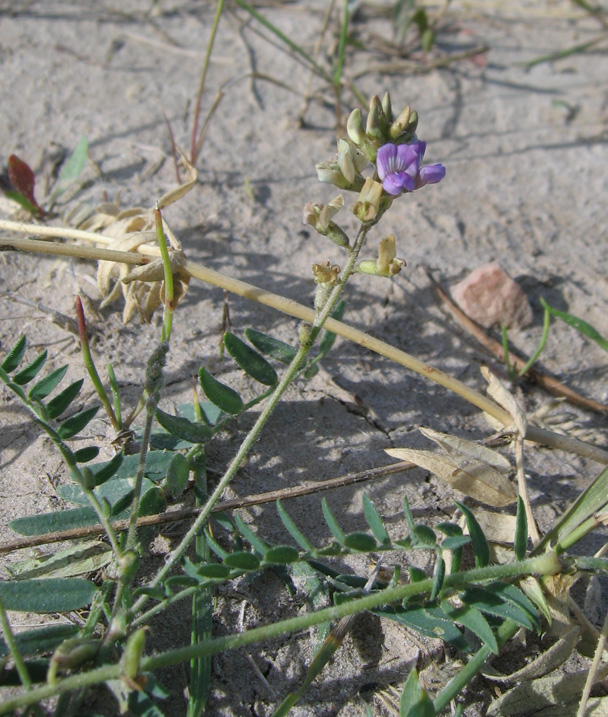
{"x": 378, "y": 162}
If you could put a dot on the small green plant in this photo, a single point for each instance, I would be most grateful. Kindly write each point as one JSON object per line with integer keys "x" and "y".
{"x": 578, "y": 324}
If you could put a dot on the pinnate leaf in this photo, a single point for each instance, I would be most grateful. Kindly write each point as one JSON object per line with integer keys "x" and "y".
{"x": 242, "y": 561}
{"x": 375, "y": 522}
{"x": 332, "y": 523}
{"x": 51, "y": 522}
{"x": 183, "y": 428}
{"x": 292, "y": 528}
{"x": 281, "y": 555}
{"x": 480, "y": 544}
{"x": 42, "y": 389}
{"x": 362, "y": 542}
{"x": 270, "y": 346}
{"x": 14, "y": 356}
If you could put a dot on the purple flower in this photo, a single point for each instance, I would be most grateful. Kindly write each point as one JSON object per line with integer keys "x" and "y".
{"x": 399, "y": 168}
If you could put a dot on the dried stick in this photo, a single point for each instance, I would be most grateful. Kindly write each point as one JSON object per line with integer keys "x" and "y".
{"x": 186, "y": 513}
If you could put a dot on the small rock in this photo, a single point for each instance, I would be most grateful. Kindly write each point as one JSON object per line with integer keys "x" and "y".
{"x": 490, "y": 297}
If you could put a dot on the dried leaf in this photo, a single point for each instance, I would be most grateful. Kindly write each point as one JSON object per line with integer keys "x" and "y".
{"x": 547, "y": 661}
{"x": 497, "y": 528}
{"x": 499, "y": 392}
{"x": 539, "y": 695}
{"x": 75, "y": 560}
{"x": 473, "y": 478}
{"x": 184, "y": 188}
{"x": 458, "y": 447}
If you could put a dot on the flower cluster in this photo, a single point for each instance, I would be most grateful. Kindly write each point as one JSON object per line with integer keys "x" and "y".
{"x": 389, "y": 144}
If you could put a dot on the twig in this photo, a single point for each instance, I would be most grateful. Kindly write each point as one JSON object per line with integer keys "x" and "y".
{"x": 186, "y": 513}
{"x": 550, "y": 384}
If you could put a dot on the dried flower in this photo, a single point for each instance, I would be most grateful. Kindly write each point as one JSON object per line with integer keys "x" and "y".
{"x": 367, "y": 204}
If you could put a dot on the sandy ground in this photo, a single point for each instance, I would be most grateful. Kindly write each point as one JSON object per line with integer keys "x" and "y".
{"x": 526, "y": 159}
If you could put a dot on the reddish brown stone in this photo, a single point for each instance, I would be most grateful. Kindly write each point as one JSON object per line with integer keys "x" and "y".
{"x": 490, "y": 297}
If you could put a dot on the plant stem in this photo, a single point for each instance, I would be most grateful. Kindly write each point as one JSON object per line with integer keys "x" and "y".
{"x": 462, "y": 679}
{"x": 201, "y": 86}
{"x": 549, "y": 566}
{"x": 546, "y": 564}
{"x": 168, "y": 302}
{"x": 89, "y": 364}
{"x": 267, "y": 411}
{"x": 152, "y": 387}
{"x": 14, "y": 649}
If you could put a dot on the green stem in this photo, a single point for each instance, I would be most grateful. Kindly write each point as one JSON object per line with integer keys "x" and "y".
{"x": 462, "y": 679}
{"x": 546, "y": 564}
{"x": 201, "y": 86}
{"x": 152, "y": 387}
{"x": 78, "y": 477}
{"x": 89, "y": 364}
{"x": 115, "y": 396}
{"x": 14, "y": 649}
{"x": 164, "y": 253}
{"x": 549, "y": 565}
{"x": 541, "y": 344}
{"x": 267, "y": 411}
{"x": 251, "y": 437}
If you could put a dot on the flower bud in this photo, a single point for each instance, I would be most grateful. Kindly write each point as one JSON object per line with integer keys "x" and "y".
{"x": 72, "y": 653}
{"x": 376, "y": 122}
{"x": 367, "y": 266}
{"x": 326, "y": 274}
{"x": 387, "y": 108}
{"x": 345, "y": 160}
{"x": 354, "y": 127}
{"x": 399, "y": 126}
{"x": 131, "y": 657}
{"x": 387, "y": 263}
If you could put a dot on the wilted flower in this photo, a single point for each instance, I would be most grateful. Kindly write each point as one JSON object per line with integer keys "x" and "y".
{"x": 368, "y": 202}
{"x": 399, "y": 168}
{"x": 387, "y": 263}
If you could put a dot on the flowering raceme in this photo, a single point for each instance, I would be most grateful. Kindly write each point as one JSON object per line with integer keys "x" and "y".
{"x": 399, "y": 168}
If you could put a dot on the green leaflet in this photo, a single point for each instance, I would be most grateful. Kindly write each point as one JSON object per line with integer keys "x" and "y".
{"x": 52, "y": 595}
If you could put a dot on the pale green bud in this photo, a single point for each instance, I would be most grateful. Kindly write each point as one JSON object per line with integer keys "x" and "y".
{"x": 367, "y": 266}
{"x": 399, "y": 126}
{"x": 354, "y": 127}
{"x": 386, "y": 264}
{"x": 72, "y": 653}
{"x": 131, "y": 657}
{"x": 376, "y": 123}
{"x": 387, "y": 108}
